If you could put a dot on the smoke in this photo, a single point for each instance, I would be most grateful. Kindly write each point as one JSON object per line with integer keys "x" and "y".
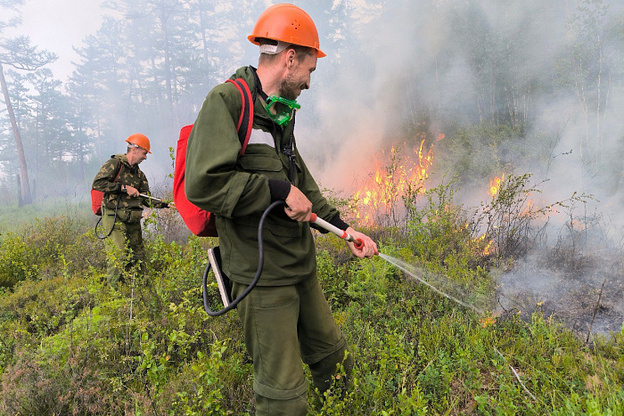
{"x": 417, "y": 60}
{"x": 585, "y": 295}
{"x": 52, "y": 27}
{"x": 553, "y": 68}
{"x": 442, "y": 60}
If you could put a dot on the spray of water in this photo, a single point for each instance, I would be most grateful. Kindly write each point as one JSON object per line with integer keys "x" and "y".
{"x": 418, "y": 274}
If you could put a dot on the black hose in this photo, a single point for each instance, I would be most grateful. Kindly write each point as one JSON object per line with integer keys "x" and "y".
{"x": 100, "y": 237}
{"x": 249, "y": 288}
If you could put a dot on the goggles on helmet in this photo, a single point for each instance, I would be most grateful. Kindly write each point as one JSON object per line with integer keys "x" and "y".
{"x": 281, "y": 114}
{"x": 136, "y": 145}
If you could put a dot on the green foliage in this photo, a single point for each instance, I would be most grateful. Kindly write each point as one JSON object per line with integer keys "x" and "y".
{"x": 38, "y": 251}
{"x": 17, "y": 261}
{"x": 14, "y": 218}
{"x": 479, "y": 151}
{"x": 71, "y": 344}
{"x": 439, "y": 228}
{"x": 512, "y": 220}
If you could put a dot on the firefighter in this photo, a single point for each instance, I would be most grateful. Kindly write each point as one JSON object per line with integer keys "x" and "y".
{"x": 286, "y": 318}
{"x": 121, "y": 181}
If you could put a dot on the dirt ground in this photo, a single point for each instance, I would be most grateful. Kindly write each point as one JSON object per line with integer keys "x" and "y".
{"x": 583, "y": 292}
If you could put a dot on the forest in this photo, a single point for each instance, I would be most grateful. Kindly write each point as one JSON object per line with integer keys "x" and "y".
{"x": 479, "y": 142}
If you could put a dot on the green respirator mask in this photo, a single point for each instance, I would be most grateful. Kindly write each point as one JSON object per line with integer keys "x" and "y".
{"x": 280, "y": 109}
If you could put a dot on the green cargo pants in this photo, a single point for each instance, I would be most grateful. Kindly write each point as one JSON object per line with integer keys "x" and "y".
{"x": 126, "y": 236}
{"x": 283, "y": 326}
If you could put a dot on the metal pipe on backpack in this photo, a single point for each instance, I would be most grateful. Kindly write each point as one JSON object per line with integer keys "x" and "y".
{"x": 315, "y": 219}
{"x": 151, "y": 197}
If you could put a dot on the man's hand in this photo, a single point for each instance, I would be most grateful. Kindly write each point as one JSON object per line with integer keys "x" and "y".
{"x": 298, "y": 206}
{"x": 132, "y": 191}
{"x": 368, "y": 248}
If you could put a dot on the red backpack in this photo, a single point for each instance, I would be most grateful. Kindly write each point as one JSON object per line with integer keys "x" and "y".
{"x": 199, "y": 221}
{"x": 98, "y": 196}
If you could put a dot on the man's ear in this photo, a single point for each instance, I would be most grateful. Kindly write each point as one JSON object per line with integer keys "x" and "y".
{"x": 131, "y": 152}
{"x": 291, "y": 56}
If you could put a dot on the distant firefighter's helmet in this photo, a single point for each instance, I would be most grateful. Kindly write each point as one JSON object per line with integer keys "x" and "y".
{"x": 140, "y": 140}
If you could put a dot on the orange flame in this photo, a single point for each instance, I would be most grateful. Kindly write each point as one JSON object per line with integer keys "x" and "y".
{"x": 395, "y": 176}
{"x": 495, "y": 185}
{"x": 528, "y": 207}
{"x": 488, "y": 248}
{"x": 489, "y": 320}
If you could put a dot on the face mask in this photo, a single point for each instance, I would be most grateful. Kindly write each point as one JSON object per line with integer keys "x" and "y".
{"x": 281, "y": 114}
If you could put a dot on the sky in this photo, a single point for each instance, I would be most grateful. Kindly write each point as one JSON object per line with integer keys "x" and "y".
{"x": 60, "y": 25}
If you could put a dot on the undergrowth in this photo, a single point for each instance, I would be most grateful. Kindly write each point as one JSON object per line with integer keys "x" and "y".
{"x": 71, "y": 344}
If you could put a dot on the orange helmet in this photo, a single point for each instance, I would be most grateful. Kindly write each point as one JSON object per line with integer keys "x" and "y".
{"x": 287, "y": 23}
{"x": 140, "y": 140}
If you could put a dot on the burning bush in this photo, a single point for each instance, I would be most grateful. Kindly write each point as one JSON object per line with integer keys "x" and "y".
{"x": 513, "y": 221}
{"x": 395, "y": 182}
{"x": 509, "y": 216}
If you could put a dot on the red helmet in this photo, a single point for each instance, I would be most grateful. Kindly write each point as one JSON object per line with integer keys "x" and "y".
{"x": 140, "y": 140}
{"x": 287, "y": 23}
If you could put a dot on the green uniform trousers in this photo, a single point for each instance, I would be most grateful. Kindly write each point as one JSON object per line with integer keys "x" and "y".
{"x": 284, "y": 325}
{"x": 124, "y": 236}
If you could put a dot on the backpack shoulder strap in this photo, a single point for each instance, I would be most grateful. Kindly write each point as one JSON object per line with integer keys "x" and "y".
{"x": 119, "y": 171}
{"x": 245, "y": 121}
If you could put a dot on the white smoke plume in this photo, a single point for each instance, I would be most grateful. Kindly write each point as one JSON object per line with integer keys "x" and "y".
{"x": 407, "y": 63}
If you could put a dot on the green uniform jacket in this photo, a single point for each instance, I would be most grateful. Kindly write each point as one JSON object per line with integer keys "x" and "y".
{"x": 130, "y": 175}
{"x": 236, "y": 188}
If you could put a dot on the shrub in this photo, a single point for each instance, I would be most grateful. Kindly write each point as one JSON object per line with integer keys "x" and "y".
{"x": 17, "y": 261}
{"x": 71, "y": 344}
{"x": 51, "y": 247}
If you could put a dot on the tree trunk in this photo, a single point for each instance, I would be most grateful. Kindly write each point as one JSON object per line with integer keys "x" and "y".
{"x": 19, "y": 191}
{"x": 27, "y": 199}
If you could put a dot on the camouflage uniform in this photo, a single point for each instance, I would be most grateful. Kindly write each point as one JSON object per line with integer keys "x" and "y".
{"x": 126, "y": 234}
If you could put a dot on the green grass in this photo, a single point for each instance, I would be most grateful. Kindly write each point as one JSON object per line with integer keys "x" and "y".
{"x": 13, "y": 217}
{"x": 70, "y": 344}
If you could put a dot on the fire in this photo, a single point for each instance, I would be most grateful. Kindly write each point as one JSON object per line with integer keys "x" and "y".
{"x": 495, "y": 185}
{"x": 489, "y": 320}
{"x": 529, "y": 207}
{"x": 487, "y": 248}
{"x": 396, "y": 176}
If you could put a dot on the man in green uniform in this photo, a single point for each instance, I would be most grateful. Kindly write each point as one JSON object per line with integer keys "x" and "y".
{"x": 121, "y": 181}
{"x": 286, "y": 317}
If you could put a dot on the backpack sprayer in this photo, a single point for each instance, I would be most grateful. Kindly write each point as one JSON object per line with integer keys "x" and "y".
{"x": 224, "y": 284}
{"x": 102, "y": 236}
